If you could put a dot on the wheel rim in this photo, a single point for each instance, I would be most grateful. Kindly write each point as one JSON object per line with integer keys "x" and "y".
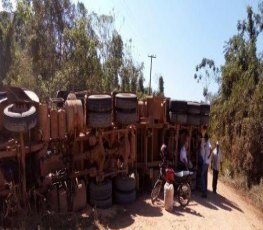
{"x": 156, "y": 190}
{"x": 184, "y": 194}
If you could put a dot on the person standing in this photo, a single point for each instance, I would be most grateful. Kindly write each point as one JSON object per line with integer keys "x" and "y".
{"x": 164, "y": 152}
{"x": 216, "y": 162}
{"x": 206, "y": 150}
{"x": 183, "y": 163}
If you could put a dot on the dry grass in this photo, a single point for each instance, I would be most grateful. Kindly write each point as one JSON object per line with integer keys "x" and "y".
{"x": 254, "y": 195}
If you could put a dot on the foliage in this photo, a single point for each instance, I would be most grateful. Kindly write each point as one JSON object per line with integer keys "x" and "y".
{"x": 161, "y": 86}
{"x": 205, "y": 72}
{"x": 237, "y": 110}
{"x": 48, "y": 46}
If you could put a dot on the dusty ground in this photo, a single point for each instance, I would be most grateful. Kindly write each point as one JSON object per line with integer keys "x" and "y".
{"x": 225, "y": 210}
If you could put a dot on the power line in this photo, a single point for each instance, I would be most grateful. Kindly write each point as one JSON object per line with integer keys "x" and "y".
{"x": 150, "y": 56}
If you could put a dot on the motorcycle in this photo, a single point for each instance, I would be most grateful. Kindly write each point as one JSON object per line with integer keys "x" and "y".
{"x": 181, "y": 182}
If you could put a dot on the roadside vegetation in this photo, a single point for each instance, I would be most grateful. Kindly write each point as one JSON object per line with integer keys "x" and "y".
{"x": 237, "y": 109}
{"x": 48, "y": 46}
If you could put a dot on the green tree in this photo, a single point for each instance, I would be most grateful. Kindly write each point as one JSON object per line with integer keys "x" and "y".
{"x": 6, "y": 37}
{"x": 56, "y": 45}
{"x": 161, "y": 86}
{"x": 206, "y": 72}
{"x": 236, "y": 114}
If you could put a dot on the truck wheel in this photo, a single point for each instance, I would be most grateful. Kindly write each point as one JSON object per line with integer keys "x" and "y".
{"x": 125, "y": 183}
{"x": 126, "y": 118}
{"x": 178, "y": 118}
{"x": 193, "y": 119}
{"x": 99, "y": 120}
{"x": 99, "y": 103}
{"x": 3, "y": 95}
{"x": 19, "y": 121}
{"x": 107, "y": 203}
{"x": 178, "y": 106}
{"x": 125, "y": 198}
{"x": 62, "y": 94}
{"x": 102, "y": 191}
{"x": 32, "y": 95}
{"x": 193, "y": 108}
{"x": 205, "y": 109}
{"x": 125, "y": 101}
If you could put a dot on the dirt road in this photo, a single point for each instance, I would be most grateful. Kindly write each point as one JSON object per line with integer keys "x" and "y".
{"x": 225, "y": 210}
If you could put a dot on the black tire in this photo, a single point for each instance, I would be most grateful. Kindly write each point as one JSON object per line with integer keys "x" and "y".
{"x": 63, "y": 94}
{"x": 103, "y": 204}
{"x": 59, "y": 101}
{"x": 193, "y": 108}
{"x": 124, "y": 198}
{"x": 193, "y": 119}
{"x": 3, "y": 100}
{"x": 99, "y": 120}
{"x": 184, "y": 194}
{"x": 20, "y": 122}
{"x": 32, "y": 95}
{"x": 126, "y": 118}
{"x": 100, "y": 192}
{"x": 3, "y": 95}
{"x": 125, "y": 183}
{"x": 178, "y": 106}
{"x": 205, "y": 109}
{"x": 178, "y": 118}
{"x": 156, "y": 190}
{"x": 99, "y": 103}
{"x": 126, "y": 101}
{"x": 204, "y": 119}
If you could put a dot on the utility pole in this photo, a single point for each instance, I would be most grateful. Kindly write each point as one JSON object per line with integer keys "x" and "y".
{"x": 150, "y": 56}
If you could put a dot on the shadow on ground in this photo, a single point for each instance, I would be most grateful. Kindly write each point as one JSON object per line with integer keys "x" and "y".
{"x": 181, "y": 211}
{"x": 121, "y": 216}
{"x": 215, "y": 201}
{"x": 177, "y": 209}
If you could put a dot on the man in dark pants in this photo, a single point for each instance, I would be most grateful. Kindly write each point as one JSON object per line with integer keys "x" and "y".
{"x": 216, "y": 162}
{"x": 206, "y": 151}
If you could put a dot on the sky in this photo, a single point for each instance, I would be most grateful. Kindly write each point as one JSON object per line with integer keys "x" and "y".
{"x": 179, "y": 32}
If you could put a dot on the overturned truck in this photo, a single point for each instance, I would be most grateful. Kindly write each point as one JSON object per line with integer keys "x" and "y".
{"x": 81, "y": 148}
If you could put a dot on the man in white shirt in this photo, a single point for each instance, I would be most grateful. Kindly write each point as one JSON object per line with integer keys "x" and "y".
{"x": 216, "y": 162}
{"x": 206, "y": 150}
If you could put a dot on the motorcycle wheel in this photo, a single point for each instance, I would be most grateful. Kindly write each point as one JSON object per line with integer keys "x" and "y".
{"x": 184, "y": 194}
{"x": 156, "y": 190}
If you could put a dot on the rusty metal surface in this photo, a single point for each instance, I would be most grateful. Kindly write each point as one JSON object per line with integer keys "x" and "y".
{"x": 96, "y": 154}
